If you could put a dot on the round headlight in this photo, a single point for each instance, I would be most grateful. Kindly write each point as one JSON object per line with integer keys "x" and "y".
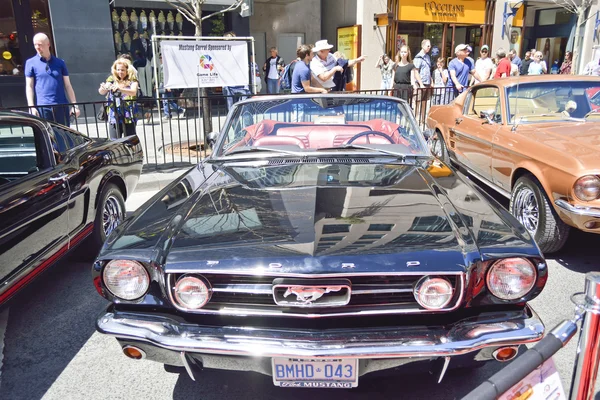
{"x": 433, "y": 293}
{"x": 512, "y": 278}
{"x": 587, "y": 188}
{"x": 191, "y": 292}
{"x": 126, "y": 279}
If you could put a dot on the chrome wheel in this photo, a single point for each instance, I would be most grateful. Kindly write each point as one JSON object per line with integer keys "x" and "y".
{"x": 435, "y": 146}
{"x": 112, "y": 214}
{"x": 527, "y": 210}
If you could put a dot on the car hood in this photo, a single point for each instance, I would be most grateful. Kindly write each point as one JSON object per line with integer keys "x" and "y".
{"x": 580, "y": 140}
{"x": 319, "y": 217}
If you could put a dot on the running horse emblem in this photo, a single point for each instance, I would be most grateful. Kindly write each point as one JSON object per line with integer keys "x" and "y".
{"x": 307, "y": 295}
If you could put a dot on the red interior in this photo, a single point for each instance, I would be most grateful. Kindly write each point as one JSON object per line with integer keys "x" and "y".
{"x": 308, "y": 135}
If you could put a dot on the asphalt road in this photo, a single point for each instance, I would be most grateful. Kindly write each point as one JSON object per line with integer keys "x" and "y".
{"x": 53, "y": 352}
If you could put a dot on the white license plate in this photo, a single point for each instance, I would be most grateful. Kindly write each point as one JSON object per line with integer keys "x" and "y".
{"x": 334, "y": 373}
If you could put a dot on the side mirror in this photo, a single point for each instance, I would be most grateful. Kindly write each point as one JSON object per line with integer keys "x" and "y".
{"x": 488, "y": 115}
{"x": 211, "y": 139}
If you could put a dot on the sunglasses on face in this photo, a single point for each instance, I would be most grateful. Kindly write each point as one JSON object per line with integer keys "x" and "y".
{"x": 484, "y": 51}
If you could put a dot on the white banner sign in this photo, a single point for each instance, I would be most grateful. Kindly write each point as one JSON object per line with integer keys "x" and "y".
{"x": 191, "y": 64}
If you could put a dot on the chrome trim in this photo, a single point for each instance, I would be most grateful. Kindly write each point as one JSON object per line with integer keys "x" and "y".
{"x": 265, "y": 271}
{"x": 444, "y": 368}
{"x": 142, "y": 352}
{"x": 592, "y": 212}
{"x": 250, "y": 289}
{"x": 187, "y": 365}
{"x": 487, "y": 183}
{"x": 267, "y": 289}
{"x": 491, "y": 329}
{"x": 273, "y": 310}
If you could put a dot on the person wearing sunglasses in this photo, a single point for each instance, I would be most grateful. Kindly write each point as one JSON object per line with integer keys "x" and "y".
{"x": 47, "y": 84}
{"x": 484, "y": 65}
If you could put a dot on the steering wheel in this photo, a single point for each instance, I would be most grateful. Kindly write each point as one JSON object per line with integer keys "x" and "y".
{"x": 367, "y": 133}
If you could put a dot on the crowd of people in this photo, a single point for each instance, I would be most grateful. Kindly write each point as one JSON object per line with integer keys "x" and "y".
{"x": 315, "y": 70}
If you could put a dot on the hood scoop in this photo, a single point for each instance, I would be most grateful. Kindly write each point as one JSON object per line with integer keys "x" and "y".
{"x": 321, "y": 160}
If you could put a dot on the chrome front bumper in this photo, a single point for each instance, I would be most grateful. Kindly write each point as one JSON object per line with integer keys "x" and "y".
{"x": 579, "y": 217}
{"x": 491, "y": 329}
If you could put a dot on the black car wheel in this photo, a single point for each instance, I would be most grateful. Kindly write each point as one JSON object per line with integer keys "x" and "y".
{"x": 437, "y": 146}
{"x": 109, "y": 214}
{"x": 530, "y": 205}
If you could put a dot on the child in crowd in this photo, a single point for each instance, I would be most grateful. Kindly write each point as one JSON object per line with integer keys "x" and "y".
{"x": 440, "y": 79}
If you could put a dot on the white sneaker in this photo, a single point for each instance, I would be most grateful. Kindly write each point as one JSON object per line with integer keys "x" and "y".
{"x": 181, "y": 112}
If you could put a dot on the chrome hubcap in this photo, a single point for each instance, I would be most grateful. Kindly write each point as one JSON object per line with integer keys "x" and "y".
{"x": 112, "y": 215}
{"x": 527, "y": 210}
{"x": 435, "y": 146}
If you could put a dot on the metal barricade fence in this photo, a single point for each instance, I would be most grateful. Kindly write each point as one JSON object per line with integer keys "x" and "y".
{"x": 178, "y": 141}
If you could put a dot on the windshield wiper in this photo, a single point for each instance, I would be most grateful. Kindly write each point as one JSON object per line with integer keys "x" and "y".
{"x": 251, "y": 149}
{"x": 402, "y": 156}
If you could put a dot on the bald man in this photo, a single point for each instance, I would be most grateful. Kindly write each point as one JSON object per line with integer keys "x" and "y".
{"x": 47, "y": 84}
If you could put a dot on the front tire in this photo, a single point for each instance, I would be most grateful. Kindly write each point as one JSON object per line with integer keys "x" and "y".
{"x": 109, "y": 214}
{"x": 530, "y": 205}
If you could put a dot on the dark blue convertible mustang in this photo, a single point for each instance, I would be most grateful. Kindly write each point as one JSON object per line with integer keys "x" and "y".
{"x": 320, "y": 242}
{"x": 57, "y": 187}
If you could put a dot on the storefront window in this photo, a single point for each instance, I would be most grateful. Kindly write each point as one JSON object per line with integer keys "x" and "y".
{"x": 10, "y": 55}
{"x": 40, "y": 19}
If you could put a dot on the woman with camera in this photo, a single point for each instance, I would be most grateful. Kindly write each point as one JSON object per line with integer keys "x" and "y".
{"x": 121, "y": 91}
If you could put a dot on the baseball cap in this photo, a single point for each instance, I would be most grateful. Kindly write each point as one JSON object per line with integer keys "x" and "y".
{"x": 460, "y": 47}
{"x": 469, "y": 48}
{"x": 485, "y": 47}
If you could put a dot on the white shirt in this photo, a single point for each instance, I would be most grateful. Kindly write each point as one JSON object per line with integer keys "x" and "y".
{"x": 318, "y": 66}
{"x": 273, "y": 73}
{"x": 484, "y": 67}
{"x": 592, "y": 68}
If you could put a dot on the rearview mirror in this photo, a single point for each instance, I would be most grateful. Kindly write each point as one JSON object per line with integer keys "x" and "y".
{"x": 488, "y": 115}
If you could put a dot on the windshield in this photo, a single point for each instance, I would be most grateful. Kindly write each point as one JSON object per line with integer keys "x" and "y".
{"x": 300, "y": 124}
{"x": 551, "y": 101}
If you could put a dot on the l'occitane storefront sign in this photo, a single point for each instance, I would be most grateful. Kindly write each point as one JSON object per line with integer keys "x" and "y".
{"x": 463, "y": 12}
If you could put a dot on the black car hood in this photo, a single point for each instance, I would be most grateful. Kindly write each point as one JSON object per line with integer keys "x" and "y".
{"x": 317, "y": 218}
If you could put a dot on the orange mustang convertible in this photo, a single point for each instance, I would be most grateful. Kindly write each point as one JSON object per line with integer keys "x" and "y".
{"x": 536, "y": 140}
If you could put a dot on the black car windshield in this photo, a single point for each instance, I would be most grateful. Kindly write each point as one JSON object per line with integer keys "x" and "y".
{"x": 540, "y": 102}
{"x": 301, "y": 124}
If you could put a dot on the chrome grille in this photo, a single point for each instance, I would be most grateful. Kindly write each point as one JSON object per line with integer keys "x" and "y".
{"x": 370, "y": 295}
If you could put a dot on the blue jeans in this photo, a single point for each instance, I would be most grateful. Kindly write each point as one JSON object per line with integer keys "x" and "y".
{"x": 272, "y": 86}
{"x": 58, "y": 114}
{"x": 170, "y": 105}
{"x": 235, "y": 94}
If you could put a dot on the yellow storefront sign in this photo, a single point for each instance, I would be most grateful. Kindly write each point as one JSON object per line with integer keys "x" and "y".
{"x": 347, "y": 44}
{"x": 462, "y": 12}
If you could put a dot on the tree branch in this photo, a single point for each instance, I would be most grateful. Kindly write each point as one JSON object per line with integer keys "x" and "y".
{"x": 230, "y": 8}
{"x": 183, "y": 10}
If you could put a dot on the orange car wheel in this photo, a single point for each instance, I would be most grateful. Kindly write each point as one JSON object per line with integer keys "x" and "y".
{"x": 530, "y": 205}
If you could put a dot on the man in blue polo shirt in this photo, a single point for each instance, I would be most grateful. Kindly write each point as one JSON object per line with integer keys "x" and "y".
{"x": 48, "y": 84}
{"x": 302, "y": 74}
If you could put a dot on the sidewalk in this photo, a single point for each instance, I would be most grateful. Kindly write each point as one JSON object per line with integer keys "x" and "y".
{"x": 150, "y": 183}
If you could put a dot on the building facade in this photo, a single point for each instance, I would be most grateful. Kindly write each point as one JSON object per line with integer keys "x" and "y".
{"x": 548, "y": 27}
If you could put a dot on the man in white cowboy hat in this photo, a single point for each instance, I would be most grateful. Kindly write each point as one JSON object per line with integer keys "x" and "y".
{"x": 324, "y": 66}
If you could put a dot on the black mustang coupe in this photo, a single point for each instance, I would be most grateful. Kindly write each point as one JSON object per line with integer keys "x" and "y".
{"x": 57, "y": 187}
{"x": 318, "y": 243}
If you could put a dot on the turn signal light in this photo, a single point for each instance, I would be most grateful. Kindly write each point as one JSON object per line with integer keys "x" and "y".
{"x": 504, "y": 354}
{"x": 133, "y": 352}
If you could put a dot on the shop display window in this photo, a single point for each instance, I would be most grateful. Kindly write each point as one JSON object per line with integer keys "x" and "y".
{"x": 19, "y": 22}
